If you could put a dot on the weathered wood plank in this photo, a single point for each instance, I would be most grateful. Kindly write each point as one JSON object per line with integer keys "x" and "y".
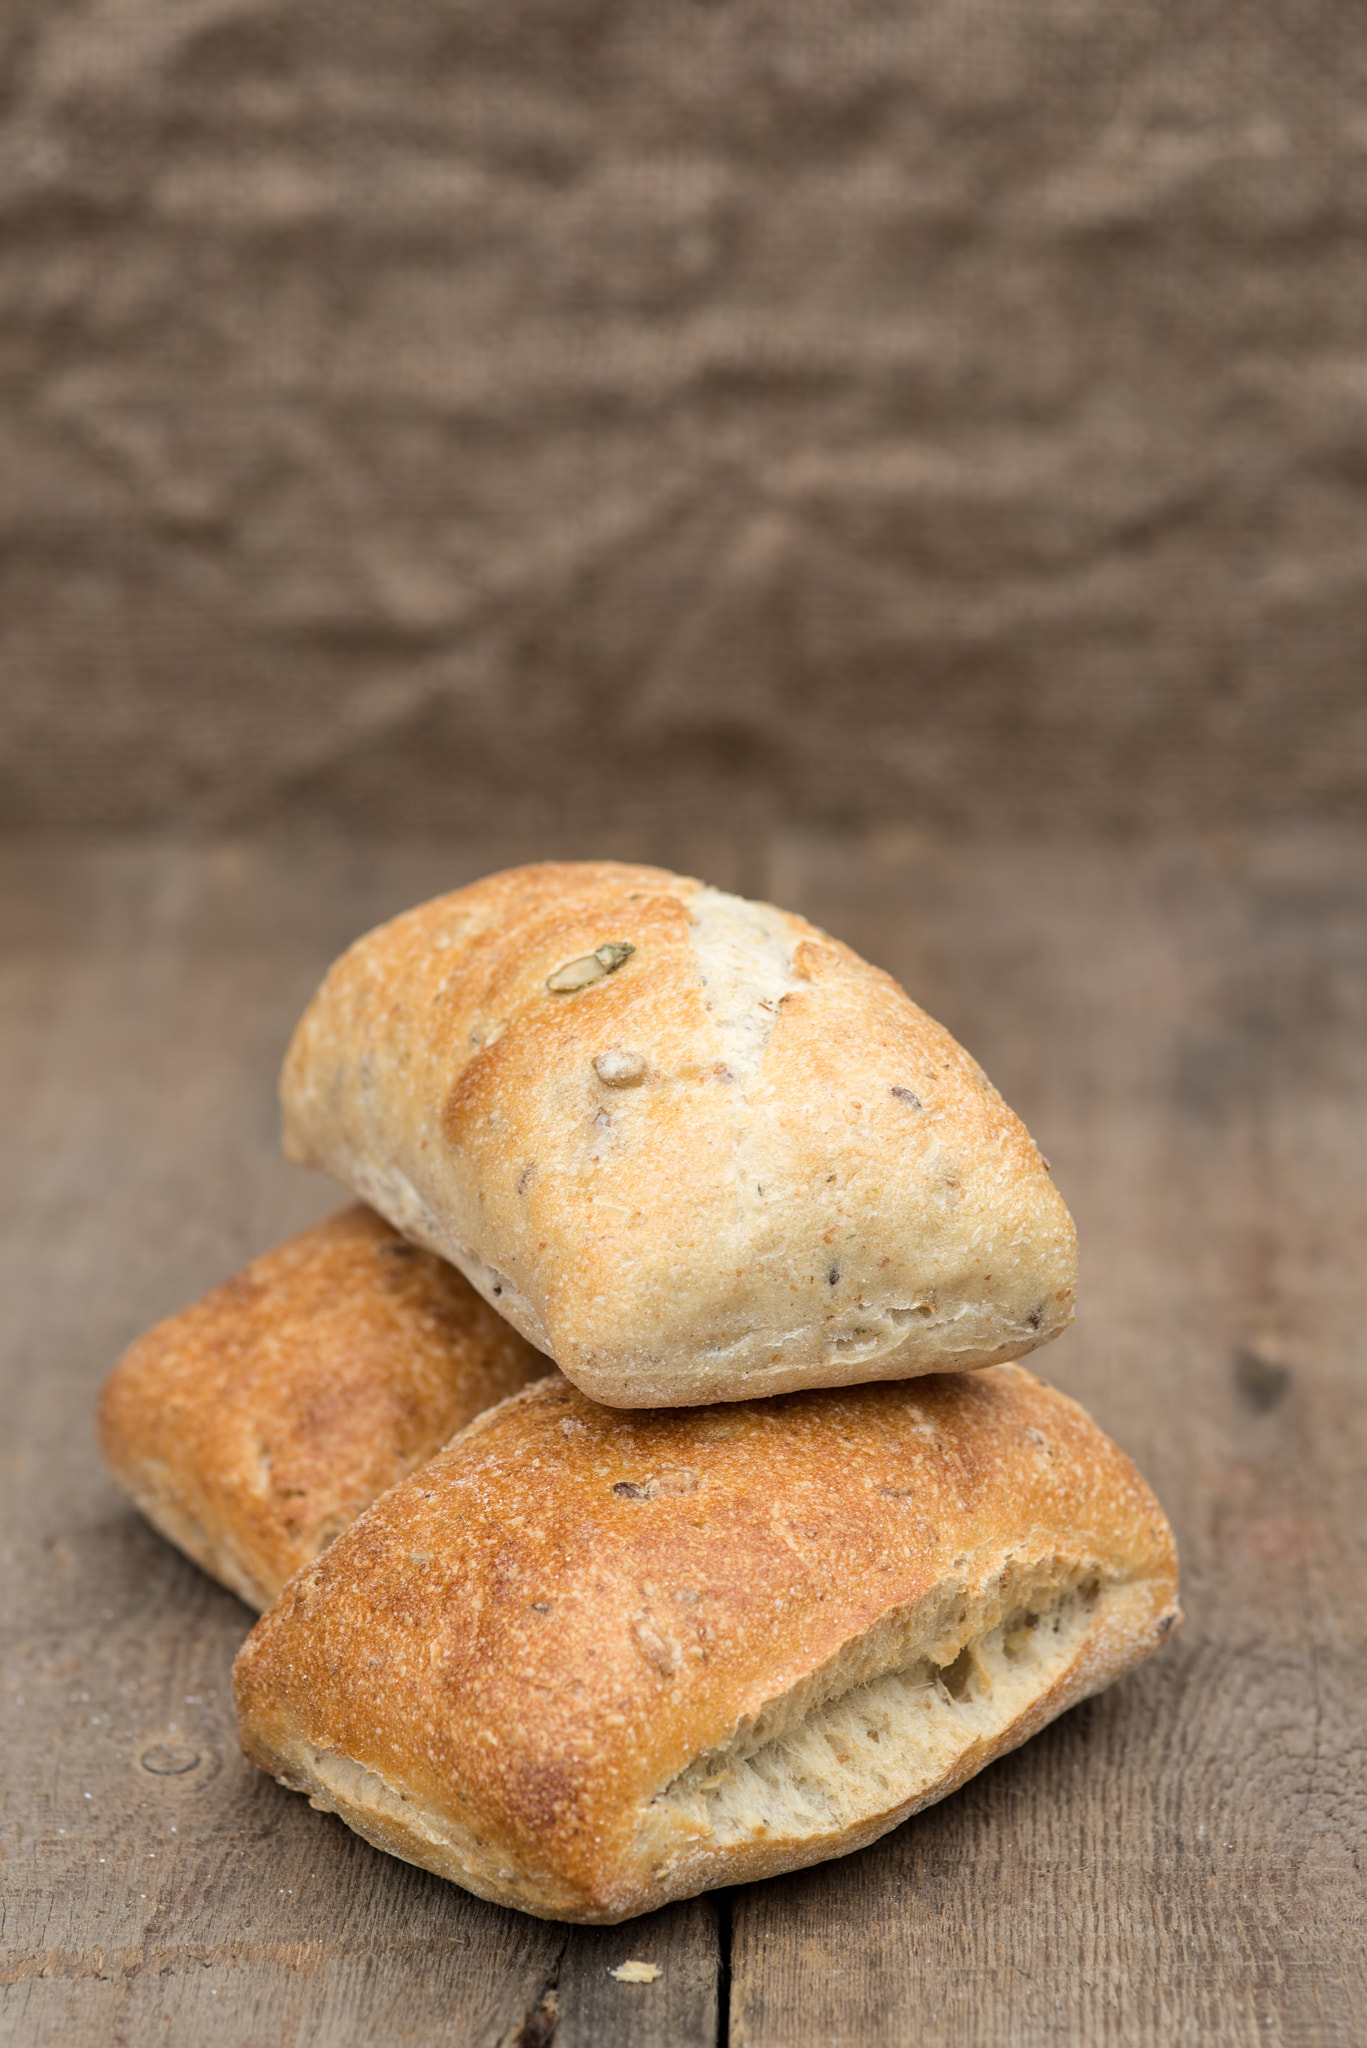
{"x": 1175, "y": 1862}
{"x": 145, "y": 997}
{"x": 1181, "y": 1860}
{"x": 680, "y": 2006}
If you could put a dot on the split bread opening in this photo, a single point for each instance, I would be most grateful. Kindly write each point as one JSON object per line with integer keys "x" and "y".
{"x": 587, "y": 1662}
{"x": 692, "y": 1147}
{"x": 254, "y": 1426}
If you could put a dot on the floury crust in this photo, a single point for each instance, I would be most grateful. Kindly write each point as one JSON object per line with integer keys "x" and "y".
{"x": 693, "y": 1148}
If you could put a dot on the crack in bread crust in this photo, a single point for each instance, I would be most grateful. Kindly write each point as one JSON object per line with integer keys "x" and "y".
{"x": 872, "y": 1743}
{"x": 635, "y": 1656}
{"x": 825, "y": 1784}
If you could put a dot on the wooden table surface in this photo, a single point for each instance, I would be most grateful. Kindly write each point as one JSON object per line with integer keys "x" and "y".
{"x": 1184, "y": 1027}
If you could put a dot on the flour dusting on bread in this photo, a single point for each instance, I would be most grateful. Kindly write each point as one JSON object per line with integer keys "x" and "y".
{"x": 734, "y": 1159}
{"x": 745, "y": 963}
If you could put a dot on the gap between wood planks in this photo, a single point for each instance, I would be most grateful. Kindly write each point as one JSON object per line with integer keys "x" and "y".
{"x": 1176, "y": 1863}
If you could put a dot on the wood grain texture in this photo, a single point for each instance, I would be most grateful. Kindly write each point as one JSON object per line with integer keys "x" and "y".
{"x": 1180, "y": 1860}
{"x": 157, "y": 1887}
{"x": 1183, "y": 1026}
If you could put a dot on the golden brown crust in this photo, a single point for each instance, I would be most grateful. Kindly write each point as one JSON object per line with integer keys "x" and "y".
{"x": 502, "y": 1669}
{"x": 738, "y": 1161}
{"x": 254, "y": 1426}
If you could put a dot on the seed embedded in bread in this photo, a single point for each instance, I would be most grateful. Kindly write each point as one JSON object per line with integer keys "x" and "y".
{"x": 642, "y": 1258}
{"x": 715, "y": 1644}
{"x": 617, "y": 1068}
{"x": 577, "y": 974}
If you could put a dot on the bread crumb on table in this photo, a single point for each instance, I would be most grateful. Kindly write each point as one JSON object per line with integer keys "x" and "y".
{"x": 635, "y": 1973}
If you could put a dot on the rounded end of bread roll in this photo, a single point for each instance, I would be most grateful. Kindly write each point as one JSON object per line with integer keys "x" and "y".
{"x": 251, "y": 1428}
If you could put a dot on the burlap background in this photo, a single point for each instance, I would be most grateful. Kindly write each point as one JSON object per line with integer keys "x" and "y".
{"x": 421, "y": 414}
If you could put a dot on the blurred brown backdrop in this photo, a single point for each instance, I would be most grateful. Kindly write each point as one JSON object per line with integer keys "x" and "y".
{"x": 434, "y": 416}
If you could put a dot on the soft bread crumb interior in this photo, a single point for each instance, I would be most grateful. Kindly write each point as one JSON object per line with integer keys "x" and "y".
{"x": 874, "y": 1743}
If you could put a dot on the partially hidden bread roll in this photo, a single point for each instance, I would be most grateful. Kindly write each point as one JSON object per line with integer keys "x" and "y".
{"x": 693, "y": 1148}
{"x": 586, "y": 1662}
{"x": 254, "y": 1426}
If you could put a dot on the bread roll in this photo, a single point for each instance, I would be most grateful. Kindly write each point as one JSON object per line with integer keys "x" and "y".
{"x": 586, "y": 1662}
{"x": 693, "y": 1148}
{"x": 254, "y": 1426}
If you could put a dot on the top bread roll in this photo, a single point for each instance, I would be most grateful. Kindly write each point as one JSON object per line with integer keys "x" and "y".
{"x": 692, "y": 1148}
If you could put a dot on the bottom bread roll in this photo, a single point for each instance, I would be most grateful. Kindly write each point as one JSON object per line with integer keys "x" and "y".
{"x": 255, "y": 1425}
{"x": 588, "y": 1661}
